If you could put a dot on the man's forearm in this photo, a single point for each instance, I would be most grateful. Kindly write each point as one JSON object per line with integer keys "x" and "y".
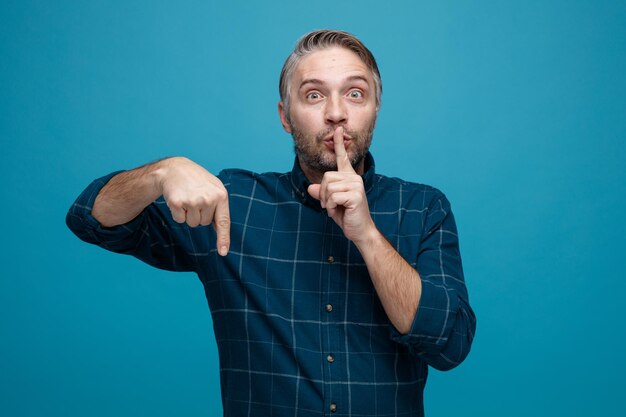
{"x": 397, "y": 284}
{"x": 126, "y": 195}
{"x": 193, "y": 196}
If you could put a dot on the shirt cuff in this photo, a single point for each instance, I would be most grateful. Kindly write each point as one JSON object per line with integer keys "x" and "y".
{"x": 81, "y": 221}
{"x": 433, "y": 320}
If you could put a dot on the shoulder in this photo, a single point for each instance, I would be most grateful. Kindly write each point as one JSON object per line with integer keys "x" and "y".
{"x": 238, "y": 174}
{"x": 236, "y": 179}
{"x": 409, "y": 192}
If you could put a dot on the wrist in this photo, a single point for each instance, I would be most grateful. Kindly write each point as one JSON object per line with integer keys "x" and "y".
{"x": 163, "y": 169}
{"x": 370, "y": 239}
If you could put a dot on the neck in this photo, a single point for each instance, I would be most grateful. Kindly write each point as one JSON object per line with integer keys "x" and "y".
{"x": 315, "y": 176}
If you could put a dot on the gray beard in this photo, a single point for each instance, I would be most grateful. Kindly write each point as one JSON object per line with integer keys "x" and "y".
{"x": 317, "y": 162}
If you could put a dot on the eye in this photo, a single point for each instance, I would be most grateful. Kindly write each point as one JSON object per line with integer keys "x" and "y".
{"x": 314, "y": 95}
{"x": 356, "y": 94}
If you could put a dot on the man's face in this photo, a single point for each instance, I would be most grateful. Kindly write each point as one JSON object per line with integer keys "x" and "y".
{"x": 330, "y": 88}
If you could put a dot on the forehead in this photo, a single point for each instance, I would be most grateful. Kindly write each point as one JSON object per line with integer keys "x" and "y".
{"x": 332, "y": 63}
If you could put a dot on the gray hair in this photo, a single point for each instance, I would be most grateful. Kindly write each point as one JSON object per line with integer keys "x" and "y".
{"x": 321, "y": 39}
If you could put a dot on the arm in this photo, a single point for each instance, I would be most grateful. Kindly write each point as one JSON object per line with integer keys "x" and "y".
{"x": 193, "y": 195}
{"x": 429, "y": 308}
{"x": 444, "y": 325}
{"x": 397, "y": 284}
{"x": 119, "y": 213}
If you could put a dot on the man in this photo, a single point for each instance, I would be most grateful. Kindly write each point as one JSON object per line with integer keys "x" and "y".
{"x": 331, "y": 288}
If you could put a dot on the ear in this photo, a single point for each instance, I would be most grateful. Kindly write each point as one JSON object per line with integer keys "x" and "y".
{"x": 283, "y": 117}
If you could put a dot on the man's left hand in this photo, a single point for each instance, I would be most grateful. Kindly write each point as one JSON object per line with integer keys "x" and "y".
{"x": 342, "y": 194}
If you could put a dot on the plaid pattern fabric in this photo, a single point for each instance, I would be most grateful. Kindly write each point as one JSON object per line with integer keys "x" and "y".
{"x": 299, "y": 327}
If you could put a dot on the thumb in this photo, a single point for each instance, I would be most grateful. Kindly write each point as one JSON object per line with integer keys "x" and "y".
{"x": 314, "y": 191}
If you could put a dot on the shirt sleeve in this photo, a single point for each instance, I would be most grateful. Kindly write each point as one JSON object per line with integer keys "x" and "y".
{"x": 444, "y": 324}
{"x": 152, "y": 236}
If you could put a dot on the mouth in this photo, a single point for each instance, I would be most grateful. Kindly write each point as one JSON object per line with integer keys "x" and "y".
{"x": 329, "y": 142}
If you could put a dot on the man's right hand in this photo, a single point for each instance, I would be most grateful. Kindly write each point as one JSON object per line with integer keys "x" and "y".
{"x": 196, "y": 197}
{"x": 193, "y": 195}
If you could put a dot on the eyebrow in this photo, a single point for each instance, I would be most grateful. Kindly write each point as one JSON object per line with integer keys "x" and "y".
{"x": 316, "y": 81}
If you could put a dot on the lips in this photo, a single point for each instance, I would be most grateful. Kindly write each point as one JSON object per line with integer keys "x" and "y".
{"x": 330, "y": 143}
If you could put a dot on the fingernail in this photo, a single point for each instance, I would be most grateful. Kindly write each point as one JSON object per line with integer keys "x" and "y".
{"x": 223, "y": 250}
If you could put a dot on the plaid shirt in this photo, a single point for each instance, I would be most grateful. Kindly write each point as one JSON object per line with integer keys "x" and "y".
{"x": 299, "y": 327}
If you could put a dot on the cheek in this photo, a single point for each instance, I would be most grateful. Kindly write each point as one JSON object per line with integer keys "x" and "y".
{"x": 306, "y": 121}
{"x": 367, "y": 120}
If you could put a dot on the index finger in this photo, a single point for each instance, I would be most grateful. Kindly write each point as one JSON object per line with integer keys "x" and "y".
{"x": 221, "y": 223}
{"x": 343, "y": 162}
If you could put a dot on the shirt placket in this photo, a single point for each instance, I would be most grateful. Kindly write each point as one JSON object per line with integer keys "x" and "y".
{"x": 333, "y": 361}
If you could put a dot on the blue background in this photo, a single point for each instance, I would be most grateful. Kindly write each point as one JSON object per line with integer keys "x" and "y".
{"x": 516, "y": 110}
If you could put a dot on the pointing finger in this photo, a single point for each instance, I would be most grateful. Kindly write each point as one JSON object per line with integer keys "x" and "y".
{"x": 343, "y": 162}
{"x": 221, "y": 223}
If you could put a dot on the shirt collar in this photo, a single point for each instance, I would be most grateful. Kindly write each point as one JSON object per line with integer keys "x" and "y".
{"x": 300, "y": 182}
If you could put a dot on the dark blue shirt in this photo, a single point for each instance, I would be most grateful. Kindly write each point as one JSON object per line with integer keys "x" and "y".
{"x": 299, "y": 327}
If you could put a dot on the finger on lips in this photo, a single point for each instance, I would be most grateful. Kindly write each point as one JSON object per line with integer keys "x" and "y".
{"x": 343, "y": 162}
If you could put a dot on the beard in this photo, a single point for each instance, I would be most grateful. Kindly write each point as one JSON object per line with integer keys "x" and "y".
{"x": 312, "y": 152}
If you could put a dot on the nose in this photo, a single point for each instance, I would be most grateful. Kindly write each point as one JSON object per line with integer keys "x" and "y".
{"x": 335, "y": 111}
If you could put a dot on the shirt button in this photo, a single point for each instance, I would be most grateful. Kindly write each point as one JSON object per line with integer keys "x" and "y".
{"x": 331, "y": 259}
{"x": 330, "y": 358}
{"x": 329, "y": 307}
{"x": 333, "y": 407}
